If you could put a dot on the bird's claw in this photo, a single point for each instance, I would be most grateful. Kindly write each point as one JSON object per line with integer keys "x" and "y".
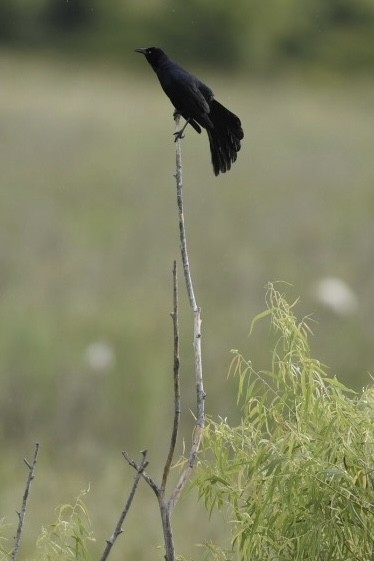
{"x": 178, "y": 135}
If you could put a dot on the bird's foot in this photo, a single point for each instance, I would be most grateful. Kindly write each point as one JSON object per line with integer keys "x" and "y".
{"x": 178, "y": 135}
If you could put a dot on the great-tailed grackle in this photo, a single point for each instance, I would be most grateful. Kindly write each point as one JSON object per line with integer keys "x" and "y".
{"x": 195, "y": 102}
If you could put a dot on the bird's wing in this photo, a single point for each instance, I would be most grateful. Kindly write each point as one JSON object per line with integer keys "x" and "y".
{"x": 187, "y": 93}
{"x": 205, "y": 91}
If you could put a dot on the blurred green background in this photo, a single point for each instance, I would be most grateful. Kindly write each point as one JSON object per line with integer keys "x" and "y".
{"x": 89, "y": 228}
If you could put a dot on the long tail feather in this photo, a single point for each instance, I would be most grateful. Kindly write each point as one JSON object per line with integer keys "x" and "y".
{"x": 224, "y": 137}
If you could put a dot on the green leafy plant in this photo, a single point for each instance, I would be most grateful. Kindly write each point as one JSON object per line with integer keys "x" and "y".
{"x": 3, "y": 540}
{"x": 67, "y": 538}
{"x": 296, "y": 476}
{"x": 64, "y": 540}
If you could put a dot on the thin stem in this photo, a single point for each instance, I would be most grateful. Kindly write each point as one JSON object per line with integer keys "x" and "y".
{"x": 22, "y": 513}
{"x": 200, "y": 416}
{"x": 177, "y": 397}
{"x": 182, "y": 228}
{"x": 145, "y": 475}
{"x": 118, "y": 529}
{"x": 200, "y": 393}
{"x": 166, "y": 506}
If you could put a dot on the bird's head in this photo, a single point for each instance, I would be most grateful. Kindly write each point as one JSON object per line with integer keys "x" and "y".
{"x": 152, "y": 54}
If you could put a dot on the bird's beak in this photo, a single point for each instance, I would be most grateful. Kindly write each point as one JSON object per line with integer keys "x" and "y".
{"x": 142, "y": 51}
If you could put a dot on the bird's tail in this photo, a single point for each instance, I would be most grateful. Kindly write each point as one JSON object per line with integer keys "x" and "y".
{"x": 224, "y": 137}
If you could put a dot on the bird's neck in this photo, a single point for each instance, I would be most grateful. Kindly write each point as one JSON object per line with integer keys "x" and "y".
{"x": 162, "y": 62}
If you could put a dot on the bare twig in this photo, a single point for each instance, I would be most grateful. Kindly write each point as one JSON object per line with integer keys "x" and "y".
{"x": 22, "y": 513}
{"x": 165, "y": 509}
{"x": 145, "y": 475}
{"x": 200, "y": 393}
{"x": 177, "y": 397}
{"x": 119, "y": 529}
{"x": 182, "y": 229}
{"x": 166, "y": 506}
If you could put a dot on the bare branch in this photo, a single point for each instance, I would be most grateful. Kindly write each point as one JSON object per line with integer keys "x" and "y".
{"x": 186, "y": 473}
{"x": 145, "y": 476}
{"x": 166, "y": 506}
{"x": 182, "y": 229}
{"x": 119, "y": 529}
{"x": 200, "y": 393}
{"x": 22, "y": 513}
{"x": 177, "y": 397}
{"x": 167, "y": 530}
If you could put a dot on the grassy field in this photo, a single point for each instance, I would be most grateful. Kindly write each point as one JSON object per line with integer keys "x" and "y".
{"x": 88, "y": 236}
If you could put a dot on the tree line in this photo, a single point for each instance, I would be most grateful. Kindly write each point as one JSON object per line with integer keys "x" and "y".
{"x": 255, "y": 35}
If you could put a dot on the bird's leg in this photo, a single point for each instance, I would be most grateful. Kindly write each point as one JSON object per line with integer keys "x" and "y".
{"x": 179, "y": 134}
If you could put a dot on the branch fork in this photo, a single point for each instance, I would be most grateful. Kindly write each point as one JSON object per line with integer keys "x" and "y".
{"x": 166, "y": 505}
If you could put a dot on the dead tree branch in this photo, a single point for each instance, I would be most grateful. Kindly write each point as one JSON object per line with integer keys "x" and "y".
{"x": 22, "y": 513}
{"x": 182, "y": 228}
{"x": 200, "y": 393}
{"x": 177, "y": 397}
{"x": 153, "y": 485}
{"x": 119, "y": 527}
{"x": 166, "y": 505}
{"x": 160, "y": 490}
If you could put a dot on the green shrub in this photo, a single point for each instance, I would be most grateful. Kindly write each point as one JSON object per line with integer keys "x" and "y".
{"x": 297, "y": 474}
{"x": 64, "y": 540}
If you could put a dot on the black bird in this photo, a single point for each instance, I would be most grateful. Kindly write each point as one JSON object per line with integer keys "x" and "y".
{"x": 195, "y": 102}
